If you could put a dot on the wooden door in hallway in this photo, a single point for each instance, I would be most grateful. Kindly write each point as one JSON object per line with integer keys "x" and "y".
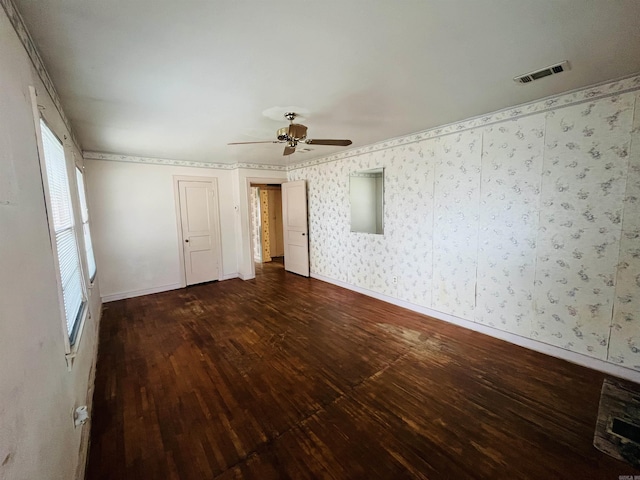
{"x": 294, "y": 220}
{"x": 200, "y": 227}
{"x": 275, "y": 222}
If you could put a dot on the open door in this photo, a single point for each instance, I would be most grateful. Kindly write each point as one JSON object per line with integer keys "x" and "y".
{"x": 294, "y": 220}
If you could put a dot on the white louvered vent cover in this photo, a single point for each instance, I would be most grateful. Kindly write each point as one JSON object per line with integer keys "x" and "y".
{"x": 544, "y": 72}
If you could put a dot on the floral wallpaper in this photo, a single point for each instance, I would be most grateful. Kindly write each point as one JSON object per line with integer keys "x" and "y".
{"x": 254, "y": 195}
{"x": 455, "y": 224}
{"x": 528, "y": 223}
{"x": 509, "y": 209}
{"x": 583, "y": 184}
{"x": 409, "y": 196}
{"x": 624, "y": 348}
{"x": 328, "y": 207}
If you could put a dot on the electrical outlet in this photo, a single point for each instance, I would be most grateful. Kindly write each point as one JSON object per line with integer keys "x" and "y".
{"x": 80, "y": 416}
{"x": 394, "y": 279}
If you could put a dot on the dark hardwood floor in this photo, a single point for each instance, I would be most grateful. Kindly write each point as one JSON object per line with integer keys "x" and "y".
{"x": 285, "y": 377}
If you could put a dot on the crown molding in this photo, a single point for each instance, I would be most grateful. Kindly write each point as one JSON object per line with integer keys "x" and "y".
{"x": 261, "y": 166}
{"x": 36, "y": 60}
{"x": 574, "y": 97}
{"x": 114, "y": 157}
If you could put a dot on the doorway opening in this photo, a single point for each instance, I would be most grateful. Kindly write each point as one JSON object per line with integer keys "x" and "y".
{"x": 267, "y": 231}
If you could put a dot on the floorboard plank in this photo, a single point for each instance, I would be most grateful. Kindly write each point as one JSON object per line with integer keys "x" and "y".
{"x": 288, "y": 377}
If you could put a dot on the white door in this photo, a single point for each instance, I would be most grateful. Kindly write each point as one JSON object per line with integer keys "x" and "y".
{"x": 294, "y": 220}
{"x": 200, "y": 230}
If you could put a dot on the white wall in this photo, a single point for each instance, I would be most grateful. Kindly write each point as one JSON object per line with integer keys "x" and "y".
{"x": 135, "y": 227}
{"x": 512, "y": 222}
{"x": 37, "y": 392}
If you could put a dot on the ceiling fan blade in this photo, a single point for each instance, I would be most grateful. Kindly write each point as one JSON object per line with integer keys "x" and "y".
{"x": 288, "y": 150}
{"x": 324, "y": 141}
{"x": 248, "y": 143}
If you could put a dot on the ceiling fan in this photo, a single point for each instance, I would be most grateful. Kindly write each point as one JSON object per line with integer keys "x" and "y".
{"x": 295, "y": 133}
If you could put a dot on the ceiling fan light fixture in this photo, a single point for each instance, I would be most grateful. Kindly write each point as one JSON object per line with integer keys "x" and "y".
{"x": 283, "y": 134}
{"x": 296, "y": 132}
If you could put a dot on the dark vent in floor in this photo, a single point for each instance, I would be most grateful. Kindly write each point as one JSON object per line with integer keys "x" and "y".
{"x": 543, "y": 72}
{"x": 617, "y": 428}
{"x": 625, "y": 430}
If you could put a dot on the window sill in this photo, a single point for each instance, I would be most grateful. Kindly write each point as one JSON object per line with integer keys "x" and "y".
{"x": 73, "y": 349}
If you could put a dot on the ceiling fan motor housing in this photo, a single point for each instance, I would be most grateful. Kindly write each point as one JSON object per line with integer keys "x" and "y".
{"x": 295, "y": 131}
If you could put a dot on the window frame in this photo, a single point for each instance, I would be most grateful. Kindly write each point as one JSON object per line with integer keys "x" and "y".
{"x": 71, "y": 338}
{"x": 84, "y": 206}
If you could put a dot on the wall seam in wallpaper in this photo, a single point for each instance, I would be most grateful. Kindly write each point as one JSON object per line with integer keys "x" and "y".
{"x": 624, "y": 209}
{"x": 534, "y": 303}
{"x": 433, "y": 230}
{"x": 550, "y": 103}
{"x": 475, "y": 276}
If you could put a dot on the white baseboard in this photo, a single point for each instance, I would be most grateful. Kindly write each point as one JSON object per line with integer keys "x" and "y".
{"x": 138, "y": 293}
{"x": 242, "y": 276}
{"x": 148, "y": 291}
{"x": 551, "y": 350}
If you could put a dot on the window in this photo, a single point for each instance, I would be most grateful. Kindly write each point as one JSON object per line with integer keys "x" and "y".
{"x": 84, "y": 215}
{"x": 63, "y": 231}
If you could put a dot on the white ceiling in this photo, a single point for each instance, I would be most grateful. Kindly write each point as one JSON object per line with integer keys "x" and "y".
{"x": 181, "y": 79}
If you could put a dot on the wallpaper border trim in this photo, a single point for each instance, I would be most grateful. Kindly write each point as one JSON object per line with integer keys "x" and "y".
{"x": 16, "y": 20}
{"x": 605, "y": 89}
{"x": 537, "y": 346}
{"x": 113, "y": 157}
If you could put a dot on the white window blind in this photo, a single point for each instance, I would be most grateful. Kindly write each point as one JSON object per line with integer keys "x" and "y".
{"x": 84, "y": 213}
{"x": 66, "y": 247}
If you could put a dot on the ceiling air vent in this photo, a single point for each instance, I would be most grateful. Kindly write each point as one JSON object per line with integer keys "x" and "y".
{"x": 544, "y": 72}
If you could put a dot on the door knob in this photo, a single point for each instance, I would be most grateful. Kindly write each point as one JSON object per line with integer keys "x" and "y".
{"x": 303, "y": 234}
{"x": 187, "y": 240}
